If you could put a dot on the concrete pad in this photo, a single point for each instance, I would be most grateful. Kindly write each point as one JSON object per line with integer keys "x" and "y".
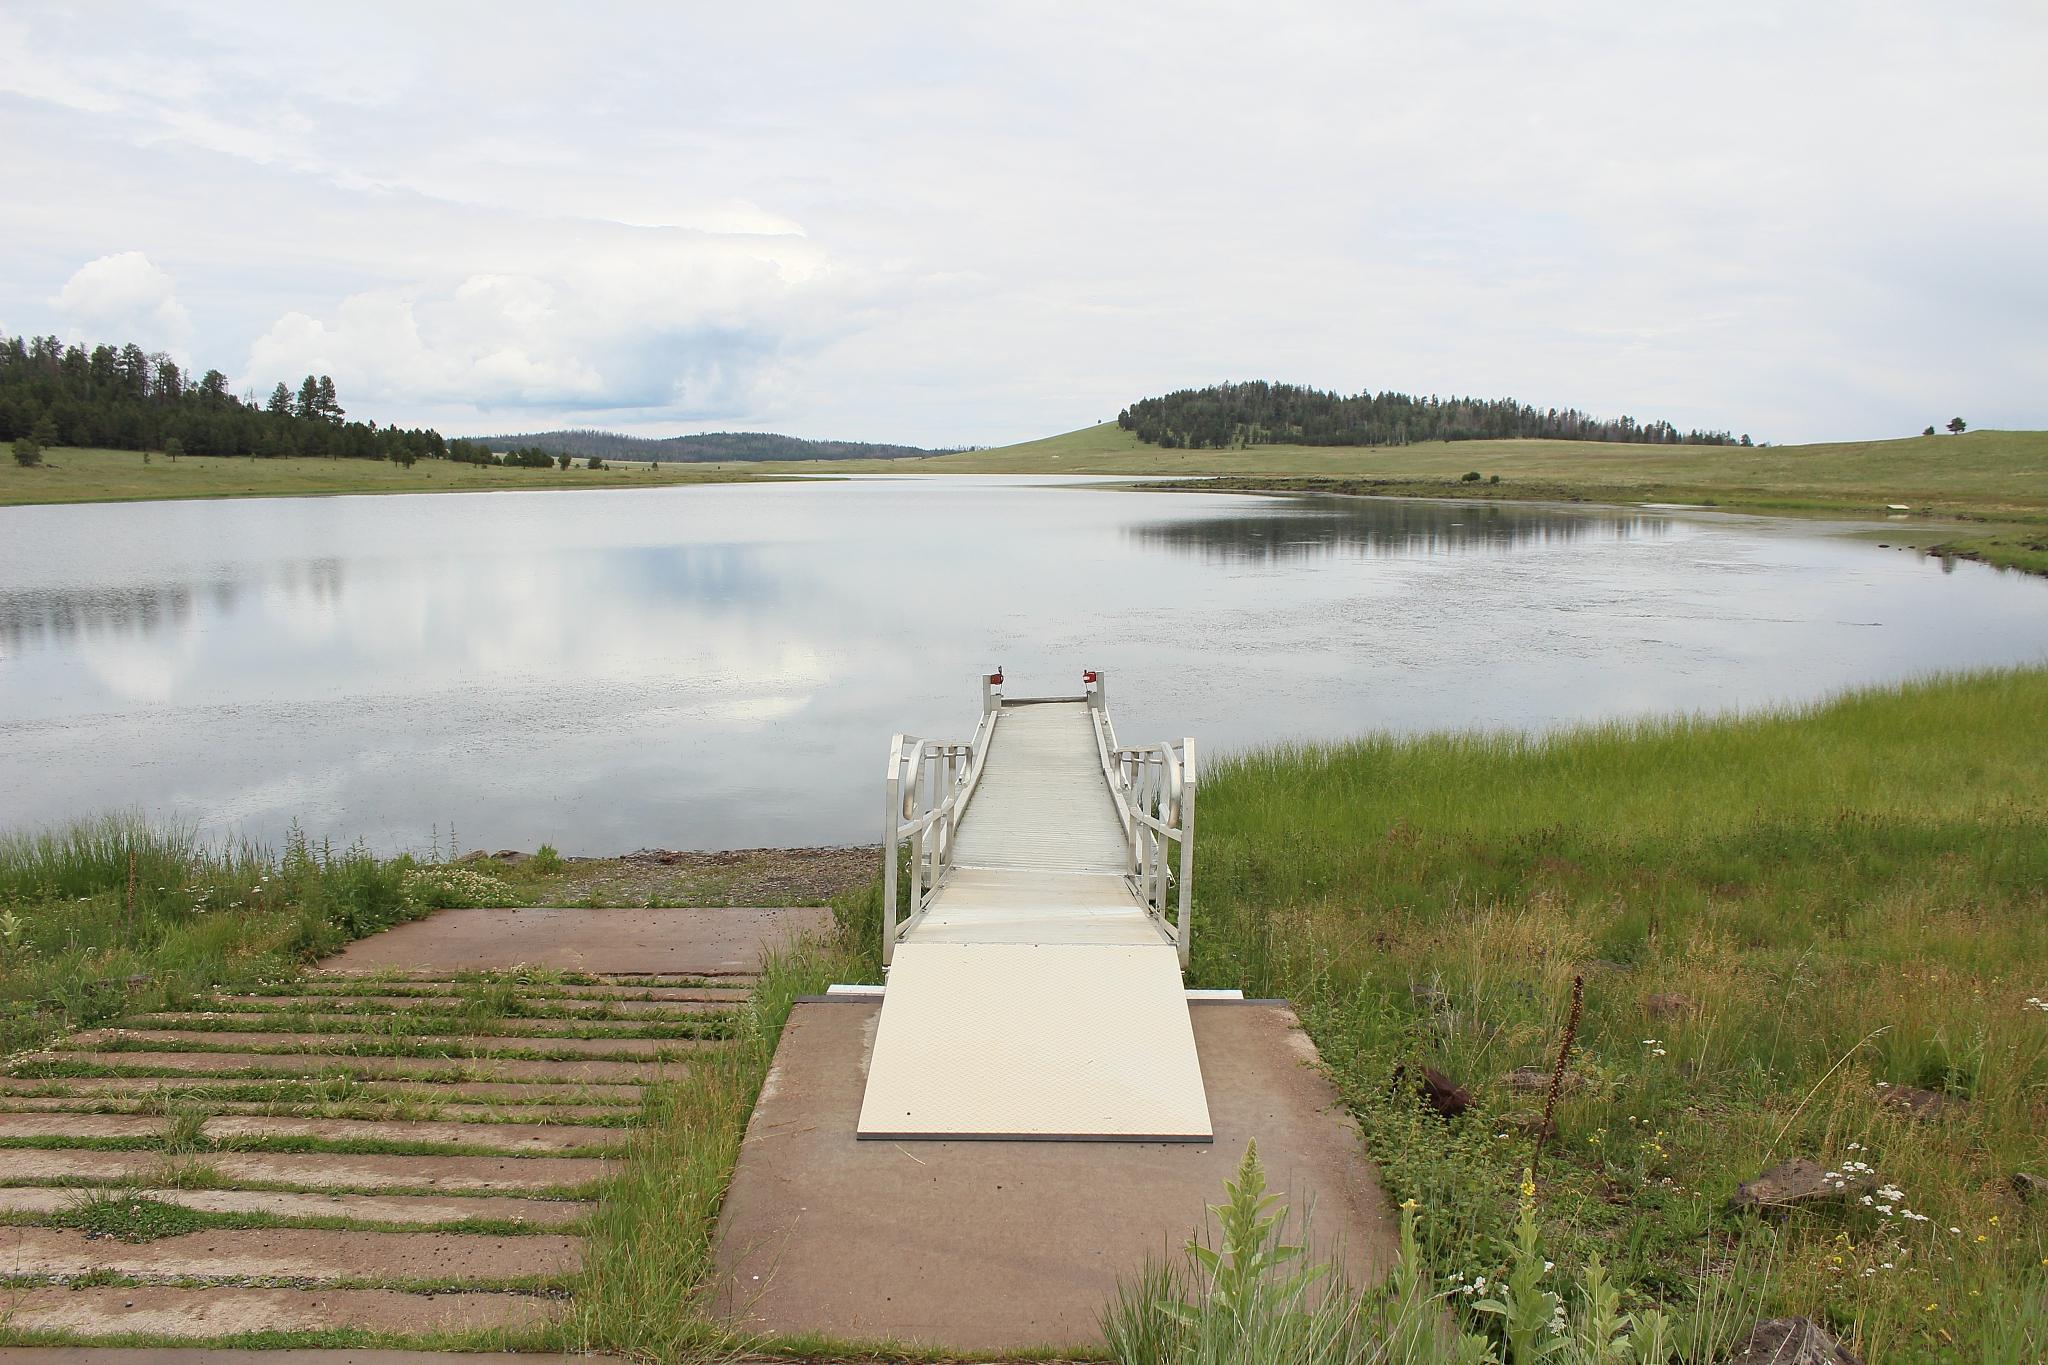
{"x": 510, "y": 1137}
{"x": 660, "y": 942}
{"x": 345, "y": 1044}
{"x": 534, "y": 1013}
{"x": 313, "y": 1066}
{"x": 317, "y": 1170}
{"x": 367, "y": 1208}
{"x": 221, "y": 1311}
{"x": 526, "y": 1096}
{"x": 995, "y": 1246}
{"x": 217, "y": 1355}
{"x": 302, "y": 1254}
{"x": 372, "y": 1111}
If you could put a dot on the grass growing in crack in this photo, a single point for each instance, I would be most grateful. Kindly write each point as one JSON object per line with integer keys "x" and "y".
{"x": 126, "y": 1216}
{"x": 1782, "y": 919}
{"x": 185, "y": 1130}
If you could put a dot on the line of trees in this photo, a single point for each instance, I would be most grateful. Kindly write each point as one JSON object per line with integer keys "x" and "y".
{"x": 125, "y": 398}
{"x": 1230, "y": 416}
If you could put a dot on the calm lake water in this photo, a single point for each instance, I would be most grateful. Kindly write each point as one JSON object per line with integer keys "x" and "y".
{"x": 723, "y": 666}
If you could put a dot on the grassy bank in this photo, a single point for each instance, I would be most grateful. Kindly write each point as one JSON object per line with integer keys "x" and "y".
{"x": 116, "y": 915}
{"x": 1997, "y": 480}
{"x": 83, "y": 475}
{"x": 1781, "y": 921}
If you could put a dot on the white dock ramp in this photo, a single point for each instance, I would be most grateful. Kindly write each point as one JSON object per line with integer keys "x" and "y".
{"x": 1034, "y": 991}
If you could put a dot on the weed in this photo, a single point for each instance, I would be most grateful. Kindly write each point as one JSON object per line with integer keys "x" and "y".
{"x": 127, "y": 1216}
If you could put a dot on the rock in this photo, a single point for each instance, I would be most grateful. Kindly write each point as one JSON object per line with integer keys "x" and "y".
{"x": 1921, "y": 1104}
{"x": 1429, "y": 997}
{"x": 1792, "y": 1341}
{"x": 511, "y": 855}
{"x": 475, "y": 855}
{"x": 1529, "y": 1123}
{"x": 2031, "y": 1188}
{"x": 1443, "y": 1094}
{"x": 1535, "y": 1080}
{"x": 1666, "y": 1003}
{"x": 1798, "y": 1182}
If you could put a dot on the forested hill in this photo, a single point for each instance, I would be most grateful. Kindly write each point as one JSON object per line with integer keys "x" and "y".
{"x": 125, "y": 398}
{"x": 1225, "y": 416}
{"x": 716, "y": 445}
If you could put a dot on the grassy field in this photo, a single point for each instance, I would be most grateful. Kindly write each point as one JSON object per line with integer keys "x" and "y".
{"x": 1781, "y": 920}
{"x": 82, "y": 475}
{"x": 1997, "y": 478}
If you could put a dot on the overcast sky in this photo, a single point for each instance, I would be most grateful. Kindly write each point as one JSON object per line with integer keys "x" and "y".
{"x": 964, "y": 224}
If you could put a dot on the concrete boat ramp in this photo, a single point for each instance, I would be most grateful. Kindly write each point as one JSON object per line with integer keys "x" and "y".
{"x": 968, "y": 1156}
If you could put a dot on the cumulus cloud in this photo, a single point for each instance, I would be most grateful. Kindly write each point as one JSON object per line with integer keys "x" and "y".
{"x": 588, "y": 317}
{"x": 951, "y": 225}
{"x": 125, "y": 297}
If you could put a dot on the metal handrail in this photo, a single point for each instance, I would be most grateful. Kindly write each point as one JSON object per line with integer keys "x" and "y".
{"x": 929, "y": 785}
{"x": 1154, "y": 787}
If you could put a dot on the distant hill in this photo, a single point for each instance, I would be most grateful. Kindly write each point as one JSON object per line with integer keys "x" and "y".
{"x": 715, "y": 445}
{"x": 1226, "y": 416}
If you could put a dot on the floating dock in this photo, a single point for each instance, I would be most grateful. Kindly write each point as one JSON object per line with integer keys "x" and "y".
{"x": 1035, "y": 951}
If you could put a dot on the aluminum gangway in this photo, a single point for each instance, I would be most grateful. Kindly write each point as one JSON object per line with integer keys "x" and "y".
{"x": 1037, "y": 893}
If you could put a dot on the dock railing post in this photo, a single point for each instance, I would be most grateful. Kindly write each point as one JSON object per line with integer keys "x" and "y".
{"x": 1184, "y": 928}
{"x": 893, "y": 792}
{"x": 992, "y": 690}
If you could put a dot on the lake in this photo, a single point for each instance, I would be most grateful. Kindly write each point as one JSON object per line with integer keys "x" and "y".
{"x": 722, "y": 666}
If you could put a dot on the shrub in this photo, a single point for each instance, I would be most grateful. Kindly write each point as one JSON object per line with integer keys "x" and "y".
{"x": 1471, "y": 476}
{"x": 1493, "y": 478}
{"x": 27, "y": 453}
{"x": 546, "y": 859}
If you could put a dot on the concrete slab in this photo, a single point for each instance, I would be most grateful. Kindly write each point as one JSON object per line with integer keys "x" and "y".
{"x": 689, "y": 1009}
{"x": 217, "y": 1311}
{"x": 218, "y": 1355}
{"x": 457, "y": 1045}
{"x": 297, "y": 1254}
{"x": 663, "y": 942}
{"x": 318, "y": 1065}
{"x": 995, "y": 1246}
{"x": 366, "y": 1208}
{"x": 317, "y": 1170}
{"x": 530, "y": 1097}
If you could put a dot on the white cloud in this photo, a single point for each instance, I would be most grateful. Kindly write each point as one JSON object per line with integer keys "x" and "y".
{"x": 592, "y": 318}
{"x": 950, "y": 224}
{"x": 122, "y": 298}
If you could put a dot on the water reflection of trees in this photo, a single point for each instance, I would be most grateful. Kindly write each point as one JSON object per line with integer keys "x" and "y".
{"x": 1322, "y": 527}
{"x": 42, "y": 616}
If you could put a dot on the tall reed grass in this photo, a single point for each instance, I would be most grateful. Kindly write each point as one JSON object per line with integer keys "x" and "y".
{"x": 116, "y": 914}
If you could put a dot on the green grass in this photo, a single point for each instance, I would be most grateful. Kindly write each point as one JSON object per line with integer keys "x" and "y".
{"x": 1999, "y": 478}
{"x": 76, "y": 474}
{"x": 114, "y": 916}
{"x": 1846, "y": 895}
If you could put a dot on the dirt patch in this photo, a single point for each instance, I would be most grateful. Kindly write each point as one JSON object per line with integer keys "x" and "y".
{"x": 661, "y": 877}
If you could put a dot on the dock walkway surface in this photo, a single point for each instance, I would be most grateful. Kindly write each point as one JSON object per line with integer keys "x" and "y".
{"x": 1033, "y": 994}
